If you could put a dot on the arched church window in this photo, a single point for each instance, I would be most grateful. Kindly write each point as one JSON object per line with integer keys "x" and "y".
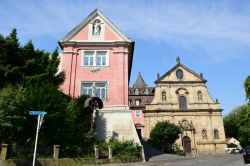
{"x": 182, "y": 102}
{"x": 96, "y": 28}
{"x": 163, "y": 96}
{"x": 216, "y": 134}
{"x": 204, "y": 134}
{"x": 199, "y": 95}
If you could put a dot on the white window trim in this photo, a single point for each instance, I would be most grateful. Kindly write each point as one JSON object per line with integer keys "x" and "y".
{"x": 139, "y": 102}
{"x": 99, "y": 81}
{"x": 94, "y": 59}
{"x": 138, "y": 114}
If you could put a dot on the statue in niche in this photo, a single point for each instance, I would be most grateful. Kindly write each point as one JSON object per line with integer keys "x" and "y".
{"x": 204, "y": 134}
{"x": 96, "y": 28}
{"x": 199, "y": 95}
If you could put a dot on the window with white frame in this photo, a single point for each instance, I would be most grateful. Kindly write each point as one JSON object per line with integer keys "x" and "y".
{"x": 95, "y": 58}
{"x": 138, "y": 114}
{"x": 137, "y": 102}
{"x": 95, "y": 88}
{"x": 137, "y": 92}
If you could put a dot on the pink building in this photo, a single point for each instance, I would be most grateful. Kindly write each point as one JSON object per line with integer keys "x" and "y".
{"x": 139, "y": 95}
{"x": 97, "y": 59}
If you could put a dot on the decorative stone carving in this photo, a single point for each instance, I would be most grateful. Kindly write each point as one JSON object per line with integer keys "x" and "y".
{"x": 96, "y": 29}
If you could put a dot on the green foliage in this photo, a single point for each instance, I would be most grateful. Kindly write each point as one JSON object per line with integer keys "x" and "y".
{"x": 24, "y": 64}
{"x": 237, "y": 124}
{"x": 124, "y": 148}
{"x": 12, "y": 114}
{"x": 231, "y": 145}
{"x": 247, "y": 87}
{"x": 29, "y": 79}
{"x": 78, "y": 138}
{"x": 164, "y": 134}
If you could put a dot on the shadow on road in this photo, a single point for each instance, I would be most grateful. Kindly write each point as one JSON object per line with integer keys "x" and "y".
{"x": 150, "y": 151}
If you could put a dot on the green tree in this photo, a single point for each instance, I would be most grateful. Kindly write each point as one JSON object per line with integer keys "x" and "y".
{"x": 10, "y": 60}
{"x": 13, "y": 117}
{"x": 24, "y": 64}
{"x": 237, "y": 124}
{"x": 29, "y": 79}
{"x": 247, "y": 87}
{"x": 164, "y": 134}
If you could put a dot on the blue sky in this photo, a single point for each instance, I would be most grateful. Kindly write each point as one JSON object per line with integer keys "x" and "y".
{"x": 210, "y": 37}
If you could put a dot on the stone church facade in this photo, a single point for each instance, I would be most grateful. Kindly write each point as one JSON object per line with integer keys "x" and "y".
{"x": 181, "y": 97}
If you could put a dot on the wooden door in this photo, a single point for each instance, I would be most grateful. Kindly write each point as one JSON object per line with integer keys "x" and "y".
{"x": 186, "y": 144}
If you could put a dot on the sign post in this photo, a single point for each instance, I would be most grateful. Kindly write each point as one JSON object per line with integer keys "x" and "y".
{"x": 39, "y": 123}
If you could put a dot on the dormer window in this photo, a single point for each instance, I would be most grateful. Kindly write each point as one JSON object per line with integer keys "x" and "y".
{"x": 136, "y": 91}
{"x": 96, "y": 28}
{"x": 146, "y": 92}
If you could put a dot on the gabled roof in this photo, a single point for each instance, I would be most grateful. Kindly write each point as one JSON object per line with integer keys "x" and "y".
{"x": 80, "y": 26}
{"x": 183, "y": 66}
{"x": 139, "y": 82}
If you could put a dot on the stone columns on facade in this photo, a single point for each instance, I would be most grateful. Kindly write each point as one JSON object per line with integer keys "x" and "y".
{"x": 4, "y": 151}
{"x": 56, "y": 149}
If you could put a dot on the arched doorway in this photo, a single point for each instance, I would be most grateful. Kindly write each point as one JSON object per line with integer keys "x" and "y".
{"x": 186, "y": 144}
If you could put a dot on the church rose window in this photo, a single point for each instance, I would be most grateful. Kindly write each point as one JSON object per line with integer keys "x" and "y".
{"x": 179, "y": 74}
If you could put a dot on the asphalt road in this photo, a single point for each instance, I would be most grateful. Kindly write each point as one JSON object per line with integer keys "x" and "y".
{"x": 228, "y": 160}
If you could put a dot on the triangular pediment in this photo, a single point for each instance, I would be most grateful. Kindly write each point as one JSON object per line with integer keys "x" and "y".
{"x": 180, "y": 74}
{"x": 87, "y": 31}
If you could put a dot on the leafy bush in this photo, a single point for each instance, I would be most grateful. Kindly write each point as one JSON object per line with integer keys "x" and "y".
{"x": 163, "y": 135}
{"x": 124, "y": 148}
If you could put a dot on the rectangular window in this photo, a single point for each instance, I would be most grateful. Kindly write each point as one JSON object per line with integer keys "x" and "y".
{"x": 97, "y": 89}
{"x": 101, "y": 58}
{"x": 87, "y": 89}
{"x": 95, "y": 58}
{"x": 138, "y": 114}
{"x": 137, "y": 102}
{"x": 88, "y": 58}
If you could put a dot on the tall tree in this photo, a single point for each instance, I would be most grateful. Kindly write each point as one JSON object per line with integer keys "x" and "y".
{"x": 164, "y": 134}
{"x": 10, "y": 60}
{"x": 247, "y": 87}
{"x": 24, "y": 64}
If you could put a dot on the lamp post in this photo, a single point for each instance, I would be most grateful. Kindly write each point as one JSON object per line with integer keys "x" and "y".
{"x": 39, "y": 123}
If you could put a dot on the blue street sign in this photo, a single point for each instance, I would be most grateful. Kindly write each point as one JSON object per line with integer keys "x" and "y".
{"x": 37, "y": 113}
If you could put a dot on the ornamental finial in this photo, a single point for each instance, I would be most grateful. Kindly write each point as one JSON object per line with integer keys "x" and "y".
{"x": 178, "y": 60}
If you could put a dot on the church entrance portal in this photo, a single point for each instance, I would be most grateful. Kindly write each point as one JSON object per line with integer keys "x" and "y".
{"x": 186, "y": 144}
